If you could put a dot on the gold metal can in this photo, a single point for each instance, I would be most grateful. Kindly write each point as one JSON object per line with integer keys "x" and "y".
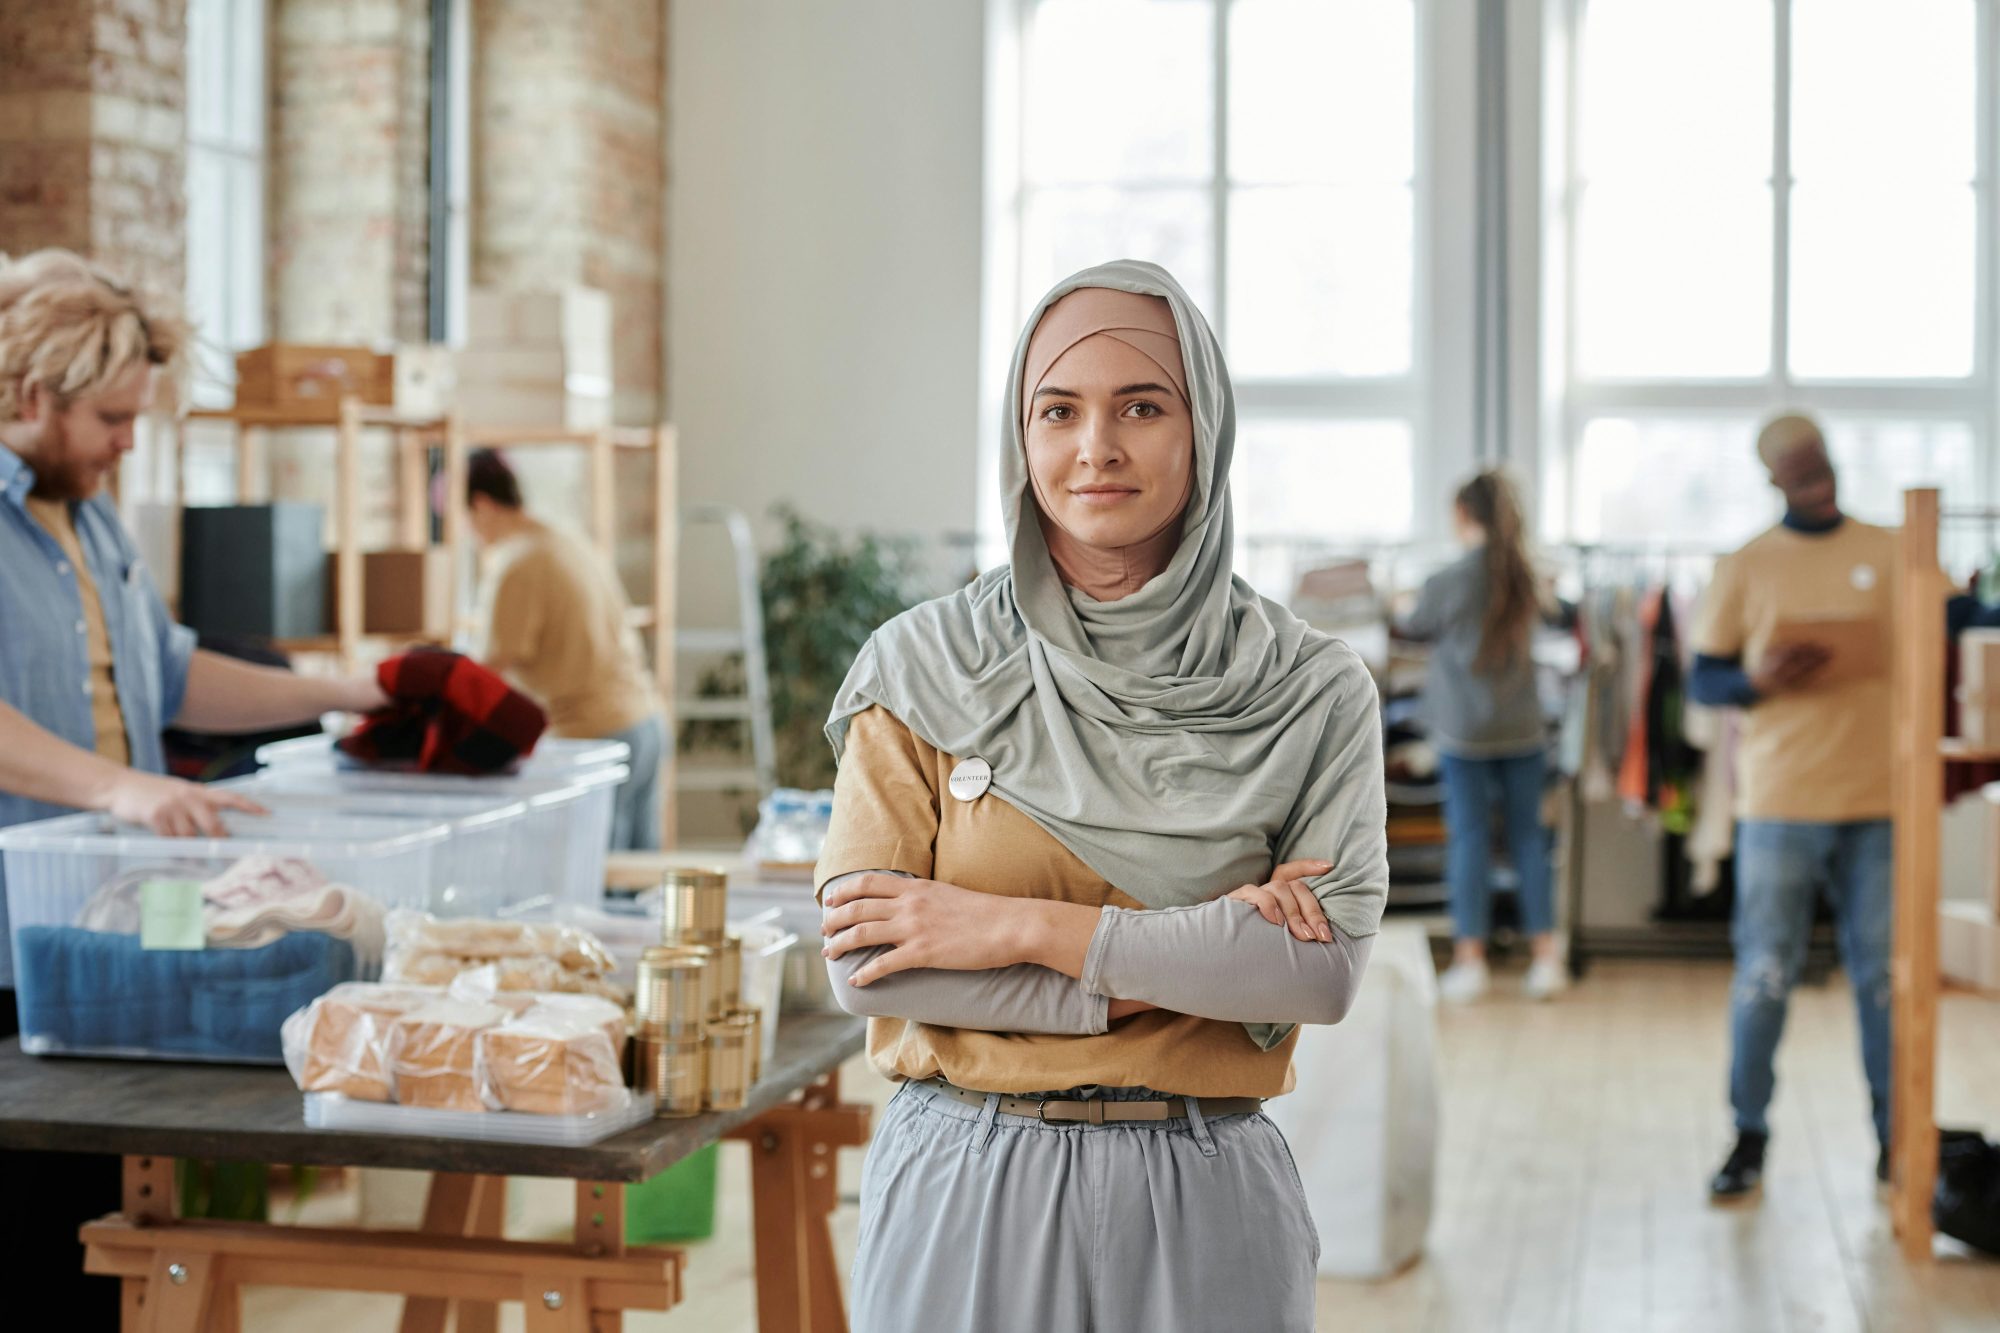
{"x": 675, "y": 991}
{"x": 729, "y": 981}
{"x": 694, "y": 907}
{"x": 730, "y": 1056}
{"x": 754, "y": 1020}
{"x": 675, "y": 1072}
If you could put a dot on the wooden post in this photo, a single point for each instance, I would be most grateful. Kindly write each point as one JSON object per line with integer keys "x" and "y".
{"x": 148, "y": 1201}
{"x": 454, "y": 519}
{"x": 604, "y": 497}
{"x": 347, "y": 533}
{"x": 600, "y": 1230}
{"x": 793, "y": 1191}
{"x": 1919, "y": 811}
{"x": 413, "y": 489}
{"x": 666, "y": 567}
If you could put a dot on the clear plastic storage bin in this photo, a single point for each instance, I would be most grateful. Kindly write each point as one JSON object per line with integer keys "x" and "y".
{"x": 130, "y": 944}
{"x": 568, "y": 787}
{"x": 480, "y": 871}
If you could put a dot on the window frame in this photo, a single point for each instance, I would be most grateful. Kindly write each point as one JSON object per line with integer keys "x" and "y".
{"x": 1973, "y": 399}
{"x": 243, "y": 151}
{"x": 1401, "y": 397}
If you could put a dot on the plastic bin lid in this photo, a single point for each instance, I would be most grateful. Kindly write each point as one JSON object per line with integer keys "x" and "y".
{"x": 288, "y": 791}
{"x": 248, "y": 835}
{"x": 554, "y": 756}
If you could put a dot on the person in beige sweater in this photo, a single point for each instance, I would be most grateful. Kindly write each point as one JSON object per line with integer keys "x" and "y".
{"x": 557, "y": 626}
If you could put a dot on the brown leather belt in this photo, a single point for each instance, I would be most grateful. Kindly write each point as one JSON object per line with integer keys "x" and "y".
{"x": 1096, "y": 1110}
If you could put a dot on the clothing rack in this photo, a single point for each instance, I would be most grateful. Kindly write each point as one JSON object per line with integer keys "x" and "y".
{"x": 1921, "y": 755}
{"x": 1598, "y": 566}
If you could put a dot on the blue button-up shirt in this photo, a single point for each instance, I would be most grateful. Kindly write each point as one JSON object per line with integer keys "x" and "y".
{"x": 44, "y": 653}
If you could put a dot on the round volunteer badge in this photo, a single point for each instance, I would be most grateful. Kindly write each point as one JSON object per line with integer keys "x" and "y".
{"x": 1862, "y": 577}
{"x": 971, "y": 778}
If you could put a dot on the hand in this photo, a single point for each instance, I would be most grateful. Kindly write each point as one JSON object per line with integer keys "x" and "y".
{"x": 360, "y": 694}
{"x": 1287, "y": 901}
{"x": 1788, "y": 666}
{"x": 925, "y": 923}
{"x": 172, "y": 807}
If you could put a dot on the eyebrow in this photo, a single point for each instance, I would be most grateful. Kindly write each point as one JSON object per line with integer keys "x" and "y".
{"x": 1148, "y": 387}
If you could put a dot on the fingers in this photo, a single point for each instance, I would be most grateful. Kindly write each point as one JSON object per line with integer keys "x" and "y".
{"x": 1295, "y": 919}
{"x": 236, "y": 800}
{"x": 889, "y": 962}
{"x": 1311, "y": 912}
{"x": 866, "y": 886}
{"x": 1263, "y": 900}
{"x": 836, "y": 919}
{"x": 1301, "y": 869}
{"x": 864, "y": 936}
{"x": 203, "y": 814}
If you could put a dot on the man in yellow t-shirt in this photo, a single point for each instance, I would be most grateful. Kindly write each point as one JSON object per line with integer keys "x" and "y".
{"x": 556, "y": 624}
{"x": 1796, "y": 631}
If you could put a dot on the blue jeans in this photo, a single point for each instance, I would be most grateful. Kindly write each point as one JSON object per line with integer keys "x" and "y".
{"x": 1472, "y": 788}
{"x": 1780, "y": 869}
{"x": 635, "y": 807}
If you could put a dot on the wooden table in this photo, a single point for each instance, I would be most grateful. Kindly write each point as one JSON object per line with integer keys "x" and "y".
{"x": 186, "y": 1276}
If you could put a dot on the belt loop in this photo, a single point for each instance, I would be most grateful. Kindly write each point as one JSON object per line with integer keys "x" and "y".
{"x": 1200, "y": 1127}
{"x": 982, "y": 1129}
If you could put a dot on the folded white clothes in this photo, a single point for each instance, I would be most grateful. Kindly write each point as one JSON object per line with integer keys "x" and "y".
{"x": 254, "y": 901}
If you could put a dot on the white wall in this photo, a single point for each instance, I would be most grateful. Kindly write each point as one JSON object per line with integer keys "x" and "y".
{"x": 824, "y": 166}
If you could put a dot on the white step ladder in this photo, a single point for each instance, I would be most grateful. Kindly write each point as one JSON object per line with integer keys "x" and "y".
{"x": 746, "y": 637}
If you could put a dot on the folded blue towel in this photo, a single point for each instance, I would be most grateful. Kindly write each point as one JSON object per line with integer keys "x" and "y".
{"x": 91, "y": 992}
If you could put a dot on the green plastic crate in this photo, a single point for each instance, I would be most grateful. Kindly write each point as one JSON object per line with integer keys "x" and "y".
{"x": 678, "y": 1204}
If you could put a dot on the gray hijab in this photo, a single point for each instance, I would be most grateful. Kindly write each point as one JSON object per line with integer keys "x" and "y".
{"x": 1177, "y": 740}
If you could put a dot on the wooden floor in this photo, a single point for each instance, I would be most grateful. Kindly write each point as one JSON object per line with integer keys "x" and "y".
{"x": 1578, "y": 1137}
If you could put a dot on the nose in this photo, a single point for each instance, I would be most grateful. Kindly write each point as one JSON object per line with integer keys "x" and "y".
{"x": 1098, "y": 444}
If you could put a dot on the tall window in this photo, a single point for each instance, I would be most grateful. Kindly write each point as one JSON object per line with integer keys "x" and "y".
{"x": 225, "y": 187}
{"x": 1265, "y": 152}
{"x": 1771, "y": 204}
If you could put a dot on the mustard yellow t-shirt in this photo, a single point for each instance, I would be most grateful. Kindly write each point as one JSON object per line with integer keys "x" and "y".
{"x": 888, "y": 816}
{"x": 556, "y": 623}
{"x": 105, "y": 714}
{"x": 1821, "y": 753}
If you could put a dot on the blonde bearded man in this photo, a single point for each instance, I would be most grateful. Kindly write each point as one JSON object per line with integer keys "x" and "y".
{"x": 92, "y": 669}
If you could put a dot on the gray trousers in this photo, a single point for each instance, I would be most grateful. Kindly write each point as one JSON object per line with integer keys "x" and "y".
{"x": 976, "y": 1222}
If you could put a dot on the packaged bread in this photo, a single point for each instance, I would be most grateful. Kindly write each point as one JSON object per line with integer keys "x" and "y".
{"x": 553, "y": 1060}
{"x": 527, "y": 956}
{"x": 339, "y": 1042}
{"x": 434, "y": 1053}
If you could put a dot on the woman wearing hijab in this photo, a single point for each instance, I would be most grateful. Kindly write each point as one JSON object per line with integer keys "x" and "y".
{"x": 1107, "y": 826}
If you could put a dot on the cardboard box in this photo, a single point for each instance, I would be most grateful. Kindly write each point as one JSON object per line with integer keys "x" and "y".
{"x": 301, "y": 376}
{"x": 577, "y": 319}
{"x": 1969, "y": 945}
{"x": 426, "y": 379}
{"x": 402, "y": 592}
{"x": 1979, "y": 687}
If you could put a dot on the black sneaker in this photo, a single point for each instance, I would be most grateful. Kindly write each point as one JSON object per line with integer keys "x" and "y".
{"x": 1743, "y": 1172}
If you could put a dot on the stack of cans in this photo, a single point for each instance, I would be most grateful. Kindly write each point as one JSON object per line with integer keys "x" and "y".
{"x": 699, "y": 1047}
{"x": 670, "y": 1050}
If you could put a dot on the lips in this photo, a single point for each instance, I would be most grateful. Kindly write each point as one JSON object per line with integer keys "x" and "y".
{"x": 1104, "y": 495}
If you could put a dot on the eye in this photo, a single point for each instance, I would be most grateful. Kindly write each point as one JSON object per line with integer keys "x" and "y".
{"x": 1143, "y": 410}
{"x": 1058, "y": 412}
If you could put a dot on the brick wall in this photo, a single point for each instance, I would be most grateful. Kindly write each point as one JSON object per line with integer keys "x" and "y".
{"x": 569, "y": 168}
{"x": 349, "y": 163}
{"x": 92, "y": 117}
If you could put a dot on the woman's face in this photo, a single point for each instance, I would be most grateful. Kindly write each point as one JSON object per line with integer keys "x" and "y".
{"x": 1110, "y": 444}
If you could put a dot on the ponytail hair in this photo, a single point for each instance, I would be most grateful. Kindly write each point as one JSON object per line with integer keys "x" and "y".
{"x": 1513, "y": 599}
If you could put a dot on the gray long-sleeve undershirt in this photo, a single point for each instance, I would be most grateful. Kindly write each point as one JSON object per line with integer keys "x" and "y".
{"x": 1217, "y": 960}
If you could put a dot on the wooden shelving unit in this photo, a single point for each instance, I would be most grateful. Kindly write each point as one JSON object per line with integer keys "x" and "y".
{"x": 1922, "y": 754}
{"x": 415, "y": 437}
{"x": 347, "y": 418}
